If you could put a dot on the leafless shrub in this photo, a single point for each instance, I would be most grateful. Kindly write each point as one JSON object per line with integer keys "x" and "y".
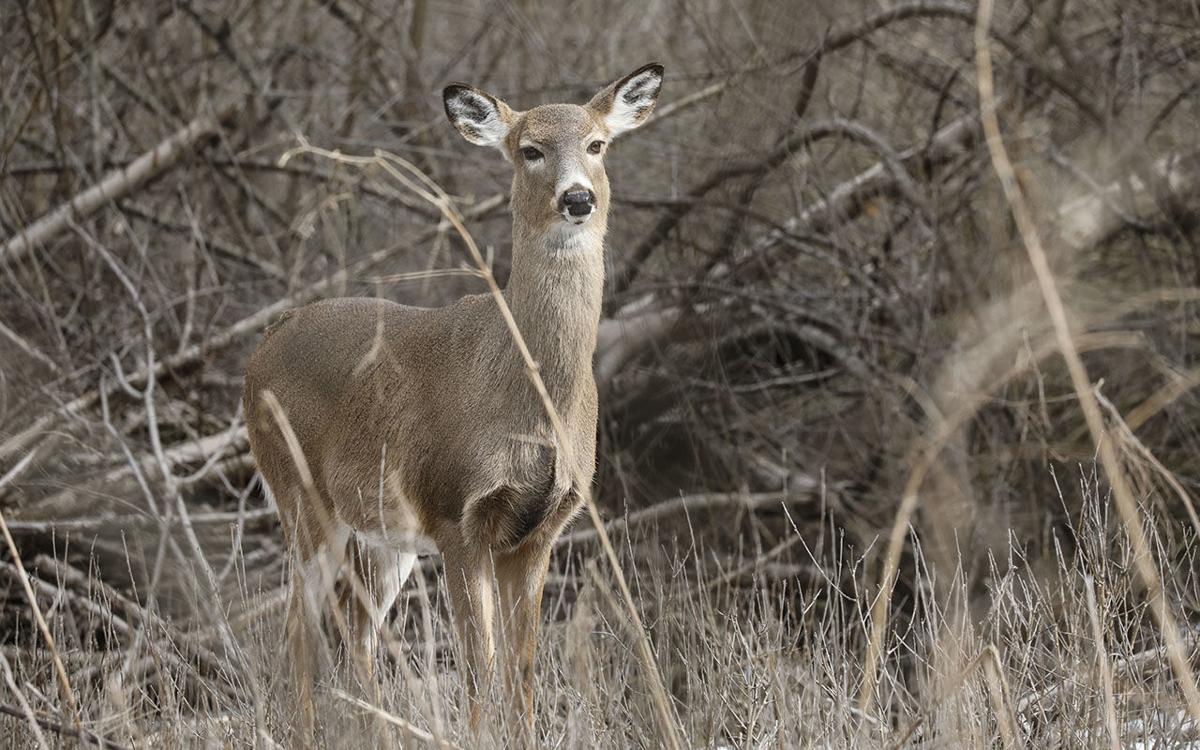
{"x": 815, "y": 288}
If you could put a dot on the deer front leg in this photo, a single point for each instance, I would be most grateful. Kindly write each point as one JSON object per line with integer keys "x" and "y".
{"x": 469, "y": 581}
{"x": 521, "y": 575}
{"x": 312, "y": 582}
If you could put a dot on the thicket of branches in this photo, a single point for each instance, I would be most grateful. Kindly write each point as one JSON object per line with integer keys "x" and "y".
{"x": 812, "y": 272}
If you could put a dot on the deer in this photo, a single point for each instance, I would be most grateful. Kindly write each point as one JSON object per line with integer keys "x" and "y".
{"x": 383, "y": 431}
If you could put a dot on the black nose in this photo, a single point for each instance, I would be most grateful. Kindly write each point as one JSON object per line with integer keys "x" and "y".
{"x": 577, "y": 201}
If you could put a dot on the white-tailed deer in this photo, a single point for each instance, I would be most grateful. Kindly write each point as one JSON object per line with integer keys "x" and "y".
{"x": 377, "y": 426}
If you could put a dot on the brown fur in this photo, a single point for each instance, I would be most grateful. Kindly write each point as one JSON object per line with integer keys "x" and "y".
{"x": 439, "y": 401}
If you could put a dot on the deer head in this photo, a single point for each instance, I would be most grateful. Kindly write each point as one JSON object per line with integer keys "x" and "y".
{"x": 559, "y": 188}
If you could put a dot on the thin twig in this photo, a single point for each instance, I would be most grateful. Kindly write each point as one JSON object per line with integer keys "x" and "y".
{"x": 59, "y": 670}
{"x": 1139, "y": 448}
{"x": 234, "y": 334}
{"x": 686, "y": 504}
{"x": 994, "y": 679}
{"x": 413, "y": 731}
{"x": 78, "y": 733}
{"x": 26, "y": 710}
{"x": 1102, "y": 660}
{"x": 116, "y": 184}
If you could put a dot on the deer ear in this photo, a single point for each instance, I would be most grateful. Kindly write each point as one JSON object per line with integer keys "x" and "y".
{"x": 480, "y": 117}
{"x": 626, "y": 104}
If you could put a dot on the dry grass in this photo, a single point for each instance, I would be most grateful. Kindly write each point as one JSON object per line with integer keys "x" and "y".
{"x": 772, "y": 658}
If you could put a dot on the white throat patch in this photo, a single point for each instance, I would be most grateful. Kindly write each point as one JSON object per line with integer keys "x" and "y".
{"x": 565, "y": 240}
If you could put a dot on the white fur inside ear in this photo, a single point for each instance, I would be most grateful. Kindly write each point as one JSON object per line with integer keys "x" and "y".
{"x": 477, "y": 118}
{"x": 632, "y": 102}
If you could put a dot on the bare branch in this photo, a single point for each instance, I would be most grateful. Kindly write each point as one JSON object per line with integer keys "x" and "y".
{"x": 116, "y": 185}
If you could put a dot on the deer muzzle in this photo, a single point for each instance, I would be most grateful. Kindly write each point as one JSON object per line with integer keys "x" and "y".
{"x": 576, "y": 203}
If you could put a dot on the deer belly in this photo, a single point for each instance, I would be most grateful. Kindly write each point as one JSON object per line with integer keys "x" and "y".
{"x": 413, "y": 541}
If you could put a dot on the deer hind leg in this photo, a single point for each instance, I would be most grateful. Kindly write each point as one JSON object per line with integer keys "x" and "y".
{"x": 521, "y": 576}
{"x": 379, "y": 573}
{"x": 317, "y": 551}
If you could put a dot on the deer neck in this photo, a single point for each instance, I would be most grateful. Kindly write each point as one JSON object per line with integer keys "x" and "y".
{"x": 555, "y": 292}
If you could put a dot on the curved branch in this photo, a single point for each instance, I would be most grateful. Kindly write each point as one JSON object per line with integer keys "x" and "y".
{"x": 960, "y": 11}
{"x": 117, "y": 184}
{"x": 758, "y": 170}
{"x": 834, "y": 41}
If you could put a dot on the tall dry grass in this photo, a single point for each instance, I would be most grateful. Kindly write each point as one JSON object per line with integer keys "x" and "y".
{"x": 769, "y": 657}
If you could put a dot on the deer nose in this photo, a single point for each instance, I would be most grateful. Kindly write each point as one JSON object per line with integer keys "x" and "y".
{"x": 577, "y": 201}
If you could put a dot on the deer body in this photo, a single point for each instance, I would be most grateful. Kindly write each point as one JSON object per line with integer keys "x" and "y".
{"x": 416, "y": 427}
{"x": 441, "y": 400}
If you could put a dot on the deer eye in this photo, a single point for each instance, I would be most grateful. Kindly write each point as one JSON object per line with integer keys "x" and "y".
{"x": 530, "y": 153}
{"x": 595, "y": 146}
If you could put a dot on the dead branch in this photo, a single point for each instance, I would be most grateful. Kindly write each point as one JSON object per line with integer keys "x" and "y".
{"x": 258, "y": 519}
{"x": 116, "y": 185}
{"x": 1090, "y": 219}
{"x": 22, "y": 701}
{"x": 224, "y": 248}
{"x": 847, "y": 201}
{"x": 960, "y": 11}
{"x": 119, "y": 609}
{"x": 80, "y": 733}
{"x": 756, "y": 171}
{"x": 29, "y": 349}
{"x": 622, "y": 338}
{"x": 129, "y": 620}
{"x": 689, "y": 504}
{"x": 17, "y": 569}
{"x": 235, "y": 333}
